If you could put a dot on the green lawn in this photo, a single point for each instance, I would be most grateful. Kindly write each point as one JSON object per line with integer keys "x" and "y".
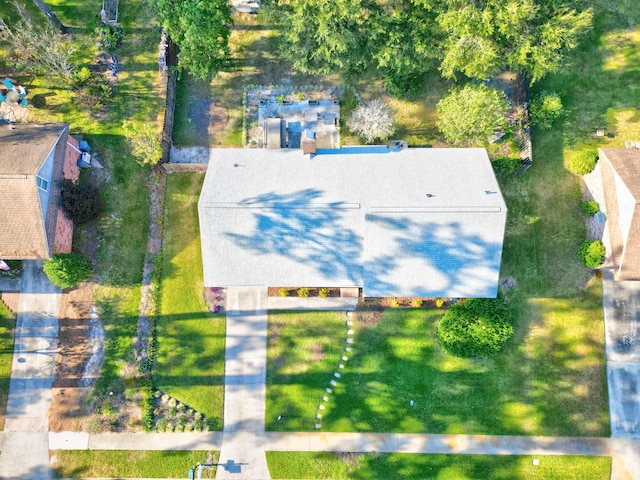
{"x": 190, "y": 358}
{"x": 7, "y": 324}
{"x": 549, "y": 380}
{"x": 320, "y": 465}
{"x": 130, "y": 464}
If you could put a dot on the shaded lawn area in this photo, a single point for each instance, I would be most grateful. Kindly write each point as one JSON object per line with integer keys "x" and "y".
{"x": 7, "y": 324}
{"x": 549, "y": 380}
{"x": 190, "y": 353}
{"x": 130, "y": 464}
{"x": 324, "y": 465}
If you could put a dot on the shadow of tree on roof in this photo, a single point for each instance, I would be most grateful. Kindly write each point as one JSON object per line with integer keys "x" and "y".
{"x": 466, "y": 263}
{"x": 300, "y": 227}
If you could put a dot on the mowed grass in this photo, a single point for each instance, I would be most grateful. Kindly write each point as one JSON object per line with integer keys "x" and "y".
{"x": 303, "y": 350}
{"x": 130, "y": 464}
{"x": 190, "y": 353}
{"x": 549, "y": 380}
{"x": 7, "y": 324}
{"x": 325, "y": 465}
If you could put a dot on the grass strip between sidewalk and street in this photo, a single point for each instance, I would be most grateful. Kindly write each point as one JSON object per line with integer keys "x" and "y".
{"x": 327, "y": 465}
{"x": 130, "y": 463}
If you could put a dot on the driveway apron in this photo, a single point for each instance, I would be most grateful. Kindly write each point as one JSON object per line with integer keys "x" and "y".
{"x": 25, "y": 450}
{"x": 242, "y": 453}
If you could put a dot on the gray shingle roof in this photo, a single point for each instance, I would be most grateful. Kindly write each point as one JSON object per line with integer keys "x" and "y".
{"x": 359, "y": 216}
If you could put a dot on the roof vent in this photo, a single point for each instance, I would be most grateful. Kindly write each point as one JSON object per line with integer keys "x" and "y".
{"x": 398, "y": 144}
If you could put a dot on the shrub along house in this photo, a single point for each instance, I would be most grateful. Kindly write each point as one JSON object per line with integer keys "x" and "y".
{"x": 419, "y": 222}
{"x": 621, "y": 185}
{"x": 33, "y": 160}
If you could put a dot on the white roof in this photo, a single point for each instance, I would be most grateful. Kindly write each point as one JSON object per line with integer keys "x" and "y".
{"x": 411, "y": 222}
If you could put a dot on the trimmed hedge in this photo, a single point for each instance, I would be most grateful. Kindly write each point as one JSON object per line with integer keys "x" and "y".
{"x": 66, "y": 270}
{"x": 591, "y": 253}
{"x": 479, "y": 326}
{"x": 583, "y": 162}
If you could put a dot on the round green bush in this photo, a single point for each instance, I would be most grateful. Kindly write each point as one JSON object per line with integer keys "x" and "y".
{"x": 479, "y": 326}
{"x": 545, "y": 109}
{"x": 590, "y": 208}
{"x": 583, "y": 162}
{"x": 591, "y": 253}
{"x": 66, "y": 270}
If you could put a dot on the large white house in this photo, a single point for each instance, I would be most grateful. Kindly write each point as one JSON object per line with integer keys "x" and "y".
{"x": 395, "y": 222}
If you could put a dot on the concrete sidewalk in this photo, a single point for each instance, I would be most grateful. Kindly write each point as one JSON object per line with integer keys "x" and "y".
{"x": 242, "y": 453}
{"x": 25, "y": 449}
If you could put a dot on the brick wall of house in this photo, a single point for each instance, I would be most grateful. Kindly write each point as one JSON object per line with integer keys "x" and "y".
{"x": 64, "y": 227}
{"x": 64, "y": 234}
{"x": 613, "y": 224}
{"x": 71, "y": 169}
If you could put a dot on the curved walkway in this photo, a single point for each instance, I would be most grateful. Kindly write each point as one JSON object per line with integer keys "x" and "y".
{"x": 25, "y": 443}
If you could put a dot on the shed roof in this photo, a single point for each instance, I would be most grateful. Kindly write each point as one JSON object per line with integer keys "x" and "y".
{"x": 397, "y": 222}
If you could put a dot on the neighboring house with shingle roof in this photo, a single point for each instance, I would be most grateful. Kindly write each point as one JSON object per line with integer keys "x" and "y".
{"x": 33, "y": 159}
{"x": 395, "y": 222}
{"x": 621, "y": 184}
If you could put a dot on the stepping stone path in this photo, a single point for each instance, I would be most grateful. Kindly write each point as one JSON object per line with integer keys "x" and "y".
{"x": 329, "y": 390}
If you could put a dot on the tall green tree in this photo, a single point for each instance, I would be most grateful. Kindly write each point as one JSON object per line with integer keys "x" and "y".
{"x": 469, "y": 115}
{"x": 322, "y": 36}
{"x": 485, "y": 37}
{"x": 403, "y": 47}
{"x": 201, "y": 29}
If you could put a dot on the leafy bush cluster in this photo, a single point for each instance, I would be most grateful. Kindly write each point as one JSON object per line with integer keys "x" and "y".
{"x": 109, "y": 37}
{"x": 590, "y": 208}
{"x": 478, "y": 326}
{"x": 470, "y": 114}
{"x": 591, "y": 253}
{"x": 66, "y": 270}
{"x": 323, "y": 292}
{"x": 505, "y": 165}
{"x": 81, "y": 201}
{"x": 92, "y": 89}
{"x": 303, "y": 292}
{"x": 583, "y": 162}
{"x": 545, "y": 109}
{"x": 144, "y": 142}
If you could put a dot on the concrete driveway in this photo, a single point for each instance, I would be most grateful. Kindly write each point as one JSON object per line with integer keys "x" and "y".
{"x": 621, "y": 302}
{"x": 25, "y": 448}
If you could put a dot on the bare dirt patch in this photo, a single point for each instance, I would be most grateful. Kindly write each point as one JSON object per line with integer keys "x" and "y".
{"x": 67, "y": 410}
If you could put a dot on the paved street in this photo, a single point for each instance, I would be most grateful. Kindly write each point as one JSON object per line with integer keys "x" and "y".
{"x": 25, "y": 448}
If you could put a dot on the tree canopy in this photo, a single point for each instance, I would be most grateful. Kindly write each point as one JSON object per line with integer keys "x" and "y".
{"x": 201, "y": 30}
{"x": 469, "y": 115}
{"x": 530, "y": 36}
{"x": 406, "y": 38}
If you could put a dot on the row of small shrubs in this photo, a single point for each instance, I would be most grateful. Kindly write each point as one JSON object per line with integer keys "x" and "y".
{"x": 304, "y": 292}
